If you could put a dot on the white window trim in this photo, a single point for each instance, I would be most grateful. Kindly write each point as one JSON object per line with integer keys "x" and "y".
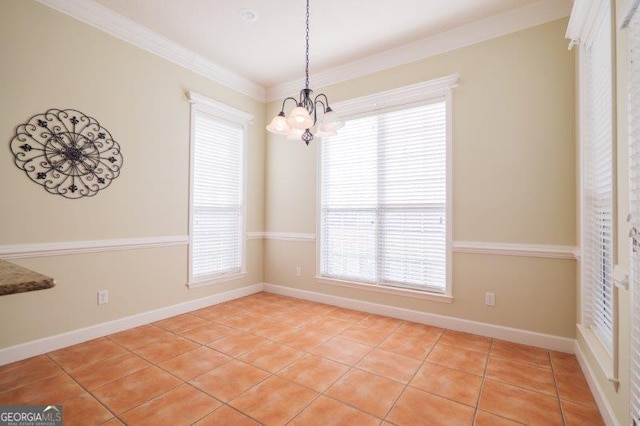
{"x": 200, "y": 103}
{"x": 219, "y": 279}
{"x": 583, "y": 16}
{"x": 403, "y": 97}
{"x": 580, "y": 28}
{"x": 435, "y": 297}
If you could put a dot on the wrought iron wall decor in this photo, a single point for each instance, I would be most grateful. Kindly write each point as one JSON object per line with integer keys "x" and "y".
{"x": 67, "y": 152}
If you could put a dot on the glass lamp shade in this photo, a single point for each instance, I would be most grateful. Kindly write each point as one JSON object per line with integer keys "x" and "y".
{"x": 322, "y": 134}
{"x": 279, "y": 125}
{"x": 331, "y": 122}
{"x": 299, "y": 118}
{"x": 295, "y": 134}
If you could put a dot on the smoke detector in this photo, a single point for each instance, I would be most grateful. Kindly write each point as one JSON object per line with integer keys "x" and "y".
{"x": 248, "y": 15}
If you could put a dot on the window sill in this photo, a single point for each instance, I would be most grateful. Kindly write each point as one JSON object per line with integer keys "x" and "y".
{"x": 217, "y": 280}
{"x": 604, "y": 360}
{"x": 435, "y": 297}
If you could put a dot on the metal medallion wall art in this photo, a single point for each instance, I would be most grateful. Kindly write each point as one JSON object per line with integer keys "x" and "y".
{"x": 67, "y": 152}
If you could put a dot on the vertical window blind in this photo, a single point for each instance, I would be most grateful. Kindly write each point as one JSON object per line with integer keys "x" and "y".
{"x": 383, "y": 201}
{"x": 217, "y": 197}
{"x": 634, "y": 169}
{"x": 598, "y": 181}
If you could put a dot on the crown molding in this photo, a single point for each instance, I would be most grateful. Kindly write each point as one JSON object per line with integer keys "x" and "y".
{"x": 106, "y": 20}
{"x": 528, "y": 16}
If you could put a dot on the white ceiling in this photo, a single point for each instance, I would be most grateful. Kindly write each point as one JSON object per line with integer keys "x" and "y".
{"x": 270, "y": 51}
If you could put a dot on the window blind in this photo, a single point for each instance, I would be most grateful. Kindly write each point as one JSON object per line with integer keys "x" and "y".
{"x": 217, "y": 221}
{"x": 634, "y": 169}
{"x": 383, "y": 199}
{"x": 598, "y": 180}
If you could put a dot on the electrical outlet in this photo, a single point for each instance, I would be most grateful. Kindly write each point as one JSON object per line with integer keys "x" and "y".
{"x": 298, "y": 271}
{"x": 103, "y": 297}
{"x": 490, "y": 299}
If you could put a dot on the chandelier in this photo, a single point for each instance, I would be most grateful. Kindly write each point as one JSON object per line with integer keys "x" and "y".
{"x": 302, "y": 123}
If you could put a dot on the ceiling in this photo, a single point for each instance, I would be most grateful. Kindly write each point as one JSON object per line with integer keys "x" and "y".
{"x": 270, "y": 51}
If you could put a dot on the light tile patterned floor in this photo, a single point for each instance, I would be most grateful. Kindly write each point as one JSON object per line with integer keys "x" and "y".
{"x": 269, "y": 359}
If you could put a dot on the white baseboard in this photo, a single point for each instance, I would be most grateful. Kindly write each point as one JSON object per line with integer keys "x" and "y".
{"x": 601, "y": 400}
{"x": 515, "y": 335}
{"x": 52, "y": 343}
{"x": 48, "y": 344}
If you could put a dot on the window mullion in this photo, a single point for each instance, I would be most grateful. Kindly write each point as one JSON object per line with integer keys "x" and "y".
{"x": 378, "y": 229}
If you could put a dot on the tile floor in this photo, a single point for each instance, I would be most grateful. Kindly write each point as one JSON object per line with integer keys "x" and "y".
{"x": 269, "y": 359}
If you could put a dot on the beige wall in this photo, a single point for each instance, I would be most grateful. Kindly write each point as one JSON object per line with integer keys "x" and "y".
{"x": 513, "y": 180}
{"x": 53, "y": 61}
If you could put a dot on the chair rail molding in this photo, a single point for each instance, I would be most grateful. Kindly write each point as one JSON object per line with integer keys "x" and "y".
{"x": 21, "y": 251}
{"x": 473, "y": 247}
{"x": 509, "y": 249}
{"x": 289, "y": 236}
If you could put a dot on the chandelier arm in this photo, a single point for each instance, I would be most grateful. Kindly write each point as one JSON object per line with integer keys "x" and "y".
{"x": 325, "y": 104}
{"x": 285, "y": 101}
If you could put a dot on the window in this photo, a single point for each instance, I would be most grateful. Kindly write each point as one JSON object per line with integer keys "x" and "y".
{"x": 384, "y": 197}
{"x": 633, "y": 72}
{"x": 217, "y": 196}
{"x": 597, "y": 190}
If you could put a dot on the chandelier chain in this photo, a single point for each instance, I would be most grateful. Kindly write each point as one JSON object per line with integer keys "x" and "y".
{"x": 307, "y": 51}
